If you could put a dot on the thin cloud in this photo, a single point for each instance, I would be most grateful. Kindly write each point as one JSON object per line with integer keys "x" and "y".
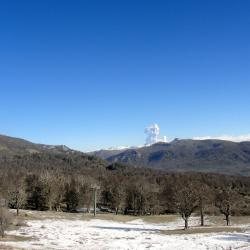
{"x": 237, "y": 138}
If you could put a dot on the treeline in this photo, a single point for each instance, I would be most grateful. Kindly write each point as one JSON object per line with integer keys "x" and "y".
{"x": 64, "y": 183}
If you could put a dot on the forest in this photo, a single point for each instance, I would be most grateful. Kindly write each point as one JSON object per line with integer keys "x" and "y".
{"x": 65, "y": 183}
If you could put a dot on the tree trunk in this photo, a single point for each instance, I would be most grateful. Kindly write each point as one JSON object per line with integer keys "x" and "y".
{"x": 58, "y": 207}
{"x": 17, "y": 211}
{"x": 186, "y": 223}
{"x": 228, "y": 220}
{"x": 202, "y": 215}
{"x": 1, "y": 230}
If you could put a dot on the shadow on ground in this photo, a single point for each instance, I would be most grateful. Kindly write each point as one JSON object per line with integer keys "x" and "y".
{"x": 128, "y": 229}
{"x": 245, "y": 237}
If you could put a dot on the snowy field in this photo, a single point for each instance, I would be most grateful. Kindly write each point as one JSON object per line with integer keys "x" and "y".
{"x": 77, "y": 232}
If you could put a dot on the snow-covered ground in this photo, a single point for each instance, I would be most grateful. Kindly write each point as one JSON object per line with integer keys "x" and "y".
{"x": 61, "y": 233}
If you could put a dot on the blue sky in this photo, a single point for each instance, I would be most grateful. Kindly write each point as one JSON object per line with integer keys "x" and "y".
{"x": 94, "y": 74}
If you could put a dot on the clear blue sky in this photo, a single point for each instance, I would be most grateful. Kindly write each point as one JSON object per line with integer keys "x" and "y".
{"x": 93, "y": 74}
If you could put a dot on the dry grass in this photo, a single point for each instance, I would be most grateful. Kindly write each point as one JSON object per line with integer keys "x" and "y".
{"x": 235, "y": 220}
{"x": 3, "y": 247}
{"x": 43, "y": 215}
{"x": 203, "y": 230}
{"x": 119, "y": 218}
{"x": 14, "y": 238}
{"x": 160, "y": 218}
{"x": 209, "y": 221}
{"x": 40, "y": 215}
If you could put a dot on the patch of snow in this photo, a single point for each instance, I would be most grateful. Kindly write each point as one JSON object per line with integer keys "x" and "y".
{"x": 137, "y": 234}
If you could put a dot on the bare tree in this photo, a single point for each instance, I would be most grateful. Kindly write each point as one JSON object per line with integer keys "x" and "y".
{"x": 58, "y": 189}
{"x": 204, "y": 195}
{"x": 117, "y": 192}
{"x": 16, "y": 193}
{"x": 55, "y": 183}
{"x": 225, "y": 200}
{"x": 186, "y": 201}
{"x": 85, "y": 192}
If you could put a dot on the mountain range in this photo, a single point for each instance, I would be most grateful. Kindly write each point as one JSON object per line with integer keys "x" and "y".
{"x": 216, "y": 156}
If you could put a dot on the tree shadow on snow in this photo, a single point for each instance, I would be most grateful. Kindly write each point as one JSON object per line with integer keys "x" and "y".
{"x": 128, "y": 229}
{"x": 236, "y": 237}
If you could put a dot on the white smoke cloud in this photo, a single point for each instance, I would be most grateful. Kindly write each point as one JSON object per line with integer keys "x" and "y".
{"x": 238, "y": 138}
{"x": 153, "y": 134}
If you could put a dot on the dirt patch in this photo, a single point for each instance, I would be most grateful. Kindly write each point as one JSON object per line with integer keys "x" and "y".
{"x": 127, "y": 218}
{"x": 44, "y": 215}
{"x": 3, "y": 247}
{"x": 160, "y": 218}
{"x": 113, "y": 217}
{"x": 27, "y": 215}
{"x": 235, "y": 220}
{"x": 204, "y": 230}
{"x": 14, "y": 238}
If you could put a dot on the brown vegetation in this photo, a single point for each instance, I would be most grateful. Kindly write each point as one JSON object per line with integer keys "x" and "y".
{"x": 62, "y": 182}
{"x": 5, "y": 220}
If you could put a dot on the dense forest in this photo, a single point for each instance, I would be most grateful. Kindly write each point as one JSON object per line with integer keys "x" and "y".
{"x": 63, "y": 182}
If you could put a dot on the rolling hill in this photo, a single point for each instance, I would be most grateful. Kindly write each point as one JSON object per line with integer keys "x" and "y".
{"x": 22, "y": 154}
{"x": 11, "y": 145}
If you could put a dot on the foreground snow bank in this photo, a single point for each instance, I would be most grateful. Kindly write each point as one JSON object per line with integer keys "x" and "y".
{"x": 104, "y": 234}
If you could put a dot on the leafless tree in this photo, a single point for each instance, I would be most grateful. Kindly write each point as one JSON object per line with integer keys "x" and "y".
{"x": 205, "y": 197}
{"x": 186, "y": 201}
{"x": 55, "y": 183}
{"x": 85, "y": 191}
{"x": 225, "y": 200}
{"x": 117, "y": 193}
{"x": 17, "y": 193}
{"x": 58, "y": 190}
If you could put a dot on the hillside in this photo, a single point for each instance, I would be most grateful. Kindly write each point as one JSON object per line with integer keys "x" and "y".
{"x": 22, "y": 154}
{"x": 214, "y": 156}
{"x": 107, "y": 153}
{"x": 188, "y": 155}
{"x": 11, "y": 145}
